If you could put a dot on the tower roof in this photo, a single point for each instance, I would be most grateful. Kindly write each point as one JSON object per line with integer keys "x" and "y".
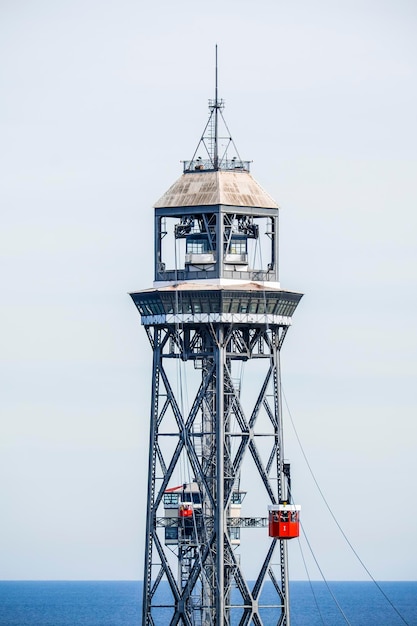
{"x": 226, "y": 187}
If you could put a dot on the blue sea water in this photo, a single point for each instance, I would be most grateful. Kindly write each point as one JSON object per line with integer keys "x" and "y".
{"x": 119, "y": 604}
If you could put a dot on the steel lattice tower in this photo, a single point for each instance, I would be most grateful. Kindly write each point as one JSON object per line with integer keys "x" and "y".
{"x": 216, "y": 306}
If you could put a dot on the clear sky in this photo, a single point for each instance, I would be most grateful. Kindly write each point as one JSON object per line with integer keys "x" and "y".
{"x": 100, "y": 100}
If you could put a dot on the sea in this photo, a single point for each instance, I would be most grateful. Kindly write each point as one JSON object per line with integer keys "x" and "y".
{"x": 81, "y": 603}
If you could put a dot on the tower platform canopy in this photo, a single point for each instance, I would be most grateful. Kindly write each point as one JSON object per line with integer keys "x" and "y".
{"x": 222, "y": 187}
{"x": 191, "y": 303}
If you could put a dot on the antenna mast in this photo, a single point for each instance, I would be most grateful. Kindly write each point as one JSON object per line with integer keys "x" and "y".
{"x": 216, "y": 147}
{"x": 216, "y": 108}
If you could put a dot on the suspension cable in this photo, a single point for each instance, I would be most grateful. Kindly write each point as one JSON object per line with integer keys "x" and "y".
{"x": 310, "y": 582}
{"x": 324, "y": 579}
{"x": 336, "y": 521}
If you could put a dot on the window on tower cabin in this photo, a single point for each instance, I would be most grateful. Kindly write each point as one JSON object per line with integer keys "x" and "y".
{"x": 234, "y": 533}
{"x": 171, "y": 499}
{"x": 197, "y": 245}
{"x": 238, "y": 245}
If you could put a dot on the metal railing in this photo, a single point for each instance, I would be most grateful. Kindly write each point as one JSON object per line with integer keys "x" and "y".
{"x": 230, "y": 165}
{"x": 188, "y": 274}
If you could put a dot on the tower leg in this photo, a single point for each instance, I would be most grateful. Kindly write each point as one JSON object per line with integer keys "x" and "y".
{"x": 219, "y": 511}
{"x": 197, "y": 577}
{"x": 150, "y": 514}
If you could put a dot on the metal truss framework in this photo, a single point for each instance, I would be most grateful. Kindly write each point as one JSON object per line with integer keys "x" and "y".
{"x": 215, "y": 437}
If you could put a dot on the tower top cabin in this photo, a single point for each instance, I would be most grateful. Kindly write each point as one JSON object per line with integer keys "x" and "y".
{"x": 216, "y": 223}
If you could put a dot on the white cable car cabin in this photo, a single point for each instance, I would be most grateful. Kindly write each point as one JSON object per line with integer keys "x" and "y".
{"x": 181, "y": 504}
{"x": 284, "y": 520}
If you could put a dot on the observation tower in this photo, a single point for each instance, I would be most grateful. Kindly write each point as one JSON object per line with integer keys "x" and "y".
{"x": 219, "y": 506}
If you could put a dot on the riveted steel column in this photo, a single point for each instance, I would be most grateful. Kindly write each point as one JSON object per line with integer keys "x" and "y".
{"x": 150, "y": 514}
{"x": 219, "y": 510}
{"x": 282, "y": 491}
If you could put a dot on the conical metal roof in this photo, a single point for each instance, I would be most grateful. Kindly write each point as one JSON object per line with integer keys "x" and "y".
{"x": 230, "y": 188}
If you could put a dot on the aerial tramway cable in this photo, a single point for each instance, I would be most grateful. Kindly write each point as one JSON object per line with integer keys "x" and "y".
{"x": 310, "y": 582}
{"x": 336, "y": 522}
{"x": 324, "y": 579}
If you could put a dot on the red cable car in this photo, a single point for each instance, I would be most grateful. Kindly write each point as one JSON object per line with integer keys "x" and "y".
{"x": 186, "y": 509}
{"x": 284, "y": 520}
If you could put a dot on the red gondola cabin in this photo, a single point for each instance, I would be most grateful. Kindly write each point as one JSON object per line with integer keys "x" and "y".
{"x": 186, "y": 509}
{"x": 284, "y": 520}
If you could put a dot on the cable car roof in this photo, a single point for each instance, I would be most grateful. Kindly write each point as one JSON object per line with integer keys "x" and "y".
{"x": 284, "y": 507}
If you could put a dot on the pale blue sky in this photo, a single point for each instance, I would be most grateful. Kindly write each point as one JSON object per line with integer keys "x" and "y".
{"x": 99, "y": 103}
